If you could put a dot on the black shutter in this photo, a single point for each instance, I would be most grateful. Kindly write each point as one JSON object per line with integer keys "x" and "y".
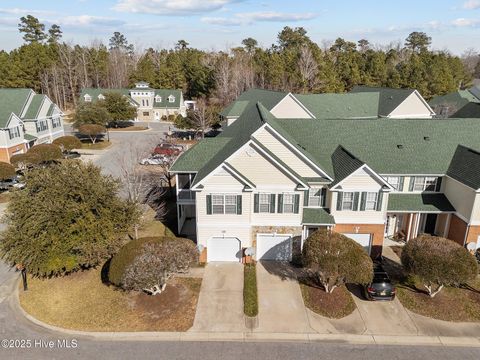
{"x": 239, "y": 204}
{"x": 379, "y": 201}
{"x": 339, "y": 200}
{"x": 296, "y": 203}
{"x": 439, "y": 184}
{"x": 272, "y": 203}
{"x": 323, "y": 200}
{"x": 255, "y": 203}
{"x": 400, "y": 183}
{"x": 363, "y": 201}
{"x": 305, "y": 198}
{"x": 280, "y": 203}
{"x": 355, "y": 201}
{"x": 209, "y": 204}
{"x": 412, "y": 183}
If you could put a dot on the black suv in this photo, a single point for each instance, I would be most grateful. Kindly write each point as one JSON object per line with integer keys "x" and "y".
{"x": 381, "y": 288}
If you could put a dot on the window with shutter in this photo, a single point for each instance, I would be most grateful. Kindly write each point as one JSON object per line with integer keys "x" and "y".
{"x": 288, "y": 203}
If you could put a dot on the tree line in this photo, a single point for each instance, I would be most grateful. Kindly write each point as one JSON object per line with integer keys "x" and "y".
{"x": 294, "y": 63}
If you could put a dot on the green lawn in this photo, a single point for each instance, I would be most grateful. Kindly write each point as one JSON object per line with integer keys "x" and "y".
{"x": 250, "y": 295}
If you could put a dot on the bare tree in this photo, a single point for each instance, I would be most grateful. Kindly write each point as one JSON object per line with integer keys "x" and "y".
{"x": 308, "y": 67}
{"x": 203, "y": 117}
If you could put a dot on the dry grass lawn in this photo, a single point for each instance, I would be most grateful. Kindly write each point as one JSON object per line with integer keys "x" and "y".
{"x": 99, "y": 145}
{"x": 130, "y": 128}
{"x": 151, "y": 227}
{"x": 82, "y": 302}
{"x": 451, "y": 304}
{"x": 5, "y": 197}
{"x": 335, "y": 305}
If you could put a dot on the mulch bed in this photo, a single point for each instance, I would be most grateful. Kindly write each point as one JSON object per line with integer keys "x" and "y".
{"x": 451, "y": 304}
{"x": 335, "y": 305}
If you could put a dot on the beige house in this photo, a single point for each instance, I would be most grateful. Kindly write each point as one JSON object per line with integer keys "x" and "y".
{"x": 26, "y": 119}
{"x": 151, "y": 104}
{"x": 269, "y": 180}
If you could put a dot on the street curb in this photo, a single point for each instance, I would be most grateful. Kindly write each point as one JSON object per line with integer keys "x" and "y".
{"x": 364, "y": 339}
{"x": 130, "y": 131}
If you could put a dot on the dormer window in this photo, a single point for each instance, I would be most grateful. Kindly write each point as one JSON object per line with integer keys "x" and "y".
{"x": 158, "y": 98}
{"x": 171, "y": 99}
{"x": 87, "y": 98}
{"x": 101, "y": 97}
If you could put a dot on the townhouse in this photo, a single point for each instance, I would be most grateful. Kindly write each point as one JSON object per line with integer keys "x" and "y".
{"x": 369, "y": 164}
{"x": 26, "y": 119}
{"x": 459, "y": 104}
{"x": 151, "y": 104}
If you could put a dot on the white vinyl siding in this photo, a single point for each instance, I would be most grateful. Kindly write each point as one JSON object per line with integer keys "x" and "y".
{"x": 14, "y": 132}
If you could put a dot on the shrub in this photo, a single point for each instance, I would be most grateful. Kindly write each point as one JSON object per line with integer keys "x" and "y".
{"x": 22, "y": 161}
{"x": 147, "y": 264}
{"x": 68, "y": 143}
{"x": 68, "y": 217}
{"x": 335, "y": 260}
{"x": 44, "y": 153}
{"x": 92, "y": 131}
{"x": 7, "y": 171}
{"x": 437, "y": 262}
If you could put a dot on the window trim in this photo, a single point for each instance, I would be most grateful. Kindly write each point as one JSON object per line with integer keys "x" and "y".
{"x": 171, "y": 99}
{"x": 375, "y": 202}
{"x": 266, "y": 202}
{"x": 424, "y": 183}
{"x": 352, "y": 200}
{"x": 224, "y": 204}
{"x": 321, "y": 200}
{"x": 292, "y": 195}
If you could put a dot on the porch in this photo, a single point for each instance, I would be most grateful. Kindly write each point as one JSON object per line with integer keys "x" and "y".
{"x": 409, "y": 215}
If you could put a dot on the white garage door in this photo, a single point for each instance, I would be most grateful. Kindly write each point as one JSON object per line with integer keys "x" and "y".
{"x": 274, "y": 247}
{"x": 223, "y": 249}
{"x": 363, "y": 239}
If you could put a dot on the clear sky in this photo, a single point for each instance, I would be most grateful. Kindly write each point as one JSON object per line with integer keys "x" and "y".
{"x": 219, "y": 24}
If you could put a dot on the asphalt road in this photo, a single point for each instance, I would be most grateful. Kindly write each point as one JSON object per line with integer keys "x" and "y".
{"x": 13, "y": 326}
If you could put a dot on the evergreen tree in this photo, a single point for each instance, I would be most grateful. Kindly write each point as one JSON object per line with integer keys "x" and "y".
{"x": 33, "y": 30}
{"x": 54, "y": 34}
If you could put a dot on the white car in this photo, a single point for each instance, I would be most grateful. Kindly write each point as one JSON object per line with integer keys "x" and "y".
{"x": 154, "y": 160}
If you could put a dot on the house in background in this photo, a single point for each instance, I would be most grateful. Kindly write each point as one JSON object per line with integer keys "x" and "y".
{"x": 459, "y": 104}
{"x": 270, "y": 179}
{"x": 27, "y": 119}
{"x": 151, "y": 104}
{"x": 361, "y": 103}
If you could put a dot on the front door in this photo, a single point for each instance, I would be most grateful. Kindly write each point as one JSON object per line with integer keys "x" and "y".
{"x": 430, "y": 223}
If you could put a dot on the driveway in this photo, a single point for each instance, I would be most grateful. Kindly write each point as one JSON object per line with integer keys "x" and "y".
{"x": 383, "y": 317}
{"x": 281, "y": 308}
{"x": 220, "y": 304}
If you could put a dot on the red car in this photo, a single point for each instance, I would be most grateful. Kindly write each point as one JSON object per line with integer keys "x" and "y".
{"x": 168, "y": 149}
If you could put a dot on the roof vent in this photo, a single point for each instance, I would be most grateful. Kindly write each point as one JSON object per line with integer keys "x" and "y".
{"x": 426, "y": 138}
{"x": 390, "y": 97}
{"x": 400, "y": 146}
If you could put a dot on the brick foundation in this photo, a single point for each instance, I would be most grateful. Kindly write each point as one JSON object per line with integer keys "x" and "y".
{"x": 473, "y": 234}
{"x": 377, "y": 231}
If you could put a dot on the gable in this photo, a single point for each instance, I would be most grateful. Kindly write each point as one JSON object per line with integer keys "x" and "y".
{"x": 290, "y": 108}
{"x": 223, "y": 179}
{"x": 412, "y": 107}
{"x": 362, "y": 179}
{"x": 258, "y": 169}
{"x": 294, "y": 162}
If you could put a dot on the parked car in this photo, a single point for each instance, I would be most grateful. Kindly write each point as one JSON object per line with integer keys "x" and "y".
{"x": 381, "y": 287}
{"x": 154, "y": 160}
{"x": 12, "y": 183}
{"x": 168, "y": 149}
{"x": 71, "y": 155}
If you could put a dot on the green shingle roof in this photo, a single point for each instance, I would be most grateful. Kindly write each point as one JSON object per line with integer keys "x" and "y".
{"x": 344, "y": 163}
{"x": 465, "y": 167}
{"x": 12, "y": 101}
{"x": 462, "y": 104}
{"x": 94, "y": 92}
{"x": 29, "y": 137}
{"x": 268, "y": 98}
{"x": 318, "y": 216}
{"x": 389, "y": 99}
{"x": 419, "y": 202}
{"x": 341, "y": 106}
{"x": 34, "y": 107}
{"x": 198, "y": 155}
{"x": 164, "y": 94}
